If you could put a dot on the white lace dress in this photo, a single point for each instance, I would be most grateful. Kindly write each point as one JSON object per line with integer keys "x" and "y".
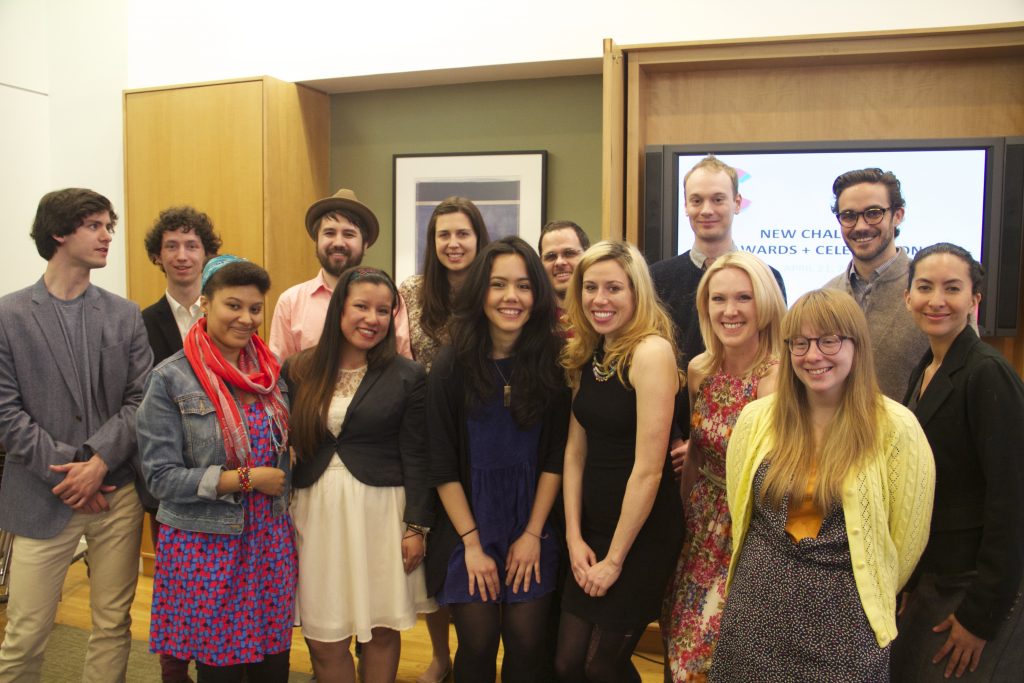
{"x": 349, "y": 539}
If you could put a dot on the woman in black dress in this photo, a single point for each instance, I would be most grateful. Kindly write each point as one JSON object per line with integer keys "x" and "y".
{"x": 622, "y": 510}
{"x": 963, "y": 614}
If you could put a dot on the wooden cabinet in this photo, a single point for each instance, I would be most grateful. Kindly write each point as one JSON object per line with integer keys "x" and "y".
{"x": 251, "y": 153}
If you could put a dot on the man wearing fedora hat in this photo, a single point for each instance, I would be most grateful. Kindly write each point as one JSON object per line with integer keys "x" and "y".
{"x": 342, "y": 228}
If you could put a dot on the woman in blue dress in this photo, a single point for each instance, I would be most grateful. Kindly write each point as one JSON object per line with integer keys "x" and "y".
{"x": 213, "y": 429}
{"x": 497, "y": 416}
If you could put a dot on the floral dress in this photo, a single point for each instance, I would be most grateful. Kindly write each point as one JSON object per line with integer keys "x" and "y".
{"x": 424, "y": 347}
{"x": 223, "y": 599}
{"x": 693, "y": 605}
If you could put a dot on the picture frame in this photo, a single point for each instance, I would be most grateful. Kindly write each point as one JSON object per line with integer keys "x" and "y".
{"x": 509, "y": 188}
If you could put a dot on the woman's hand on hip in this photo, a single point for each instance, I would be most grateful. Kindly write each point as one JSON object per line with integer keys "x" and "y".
{"x": 523, "y": 562}
{"x": 268, "y": 480}
{"x": 963, "y": 647}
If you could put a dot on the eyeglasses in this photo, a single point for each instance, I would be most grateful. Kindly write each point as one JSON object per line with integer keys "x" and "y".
{"x": 828, "y": 345}
{"x": 872, "y": 216}
{"x": 566, "y": 254}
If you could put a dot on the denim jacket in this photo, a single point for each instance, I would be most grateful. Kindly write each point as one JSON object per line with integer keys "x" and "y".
{"x": 182, "y": 449}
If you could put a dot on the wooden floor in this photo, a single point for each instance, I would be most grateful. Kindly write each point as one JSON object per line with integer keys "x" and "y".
{"x": 74, "y": 611}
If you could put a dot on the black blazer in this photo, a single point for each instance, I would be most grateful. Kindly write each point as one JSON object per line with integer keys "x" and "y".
{"x": 383, "y": 439}
{"x": 973, "y": 415}
{"x": 164, "y": 337}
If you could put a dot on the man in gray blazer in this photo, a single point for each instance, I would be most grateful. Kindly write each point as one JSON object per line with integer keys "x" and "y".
{"x": 73, "y": 360}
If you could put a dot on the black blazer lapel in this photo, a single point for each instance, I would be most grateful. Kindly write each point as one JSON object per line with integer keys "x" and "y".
{"x": 941, "y": 386}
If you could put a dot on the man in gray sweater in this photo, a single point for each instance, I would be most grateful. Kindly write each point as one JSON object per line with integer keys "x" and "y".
{"x": 870, "y": 207}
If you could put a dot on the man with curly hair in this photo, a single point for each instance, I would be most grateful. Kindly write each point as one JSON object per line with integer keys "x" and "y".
{"x": 180, "y": 242}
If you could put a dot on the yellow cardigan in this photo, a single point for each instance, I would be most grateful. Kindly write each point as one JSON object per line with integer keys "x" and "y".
{"x": 888, "y": 505}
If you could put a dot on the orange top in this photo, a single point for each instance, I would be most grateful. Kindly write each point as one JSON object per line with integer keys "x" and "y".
{"x": 804, "y": 521}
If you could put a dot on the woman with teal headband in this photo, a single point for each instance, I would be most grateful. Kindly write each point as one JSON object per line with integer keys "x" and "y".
{"x": 213, "y": 436}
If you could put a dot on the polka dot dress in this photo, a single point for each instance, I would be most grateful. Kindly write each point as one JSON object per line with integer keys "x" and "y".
{"x": 793, "y": 612}
{"x": 222, "y": 599}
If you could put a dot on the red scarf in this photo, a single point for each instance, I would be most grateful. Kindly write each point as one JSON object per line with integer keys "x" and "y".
{"x": 257, "y": 373}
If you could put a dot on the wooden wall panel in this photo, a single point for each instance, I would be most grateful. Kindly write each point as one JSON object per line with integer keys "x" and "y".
{"x": 957, "y": 82}
{"x": 295, "y": 175}
{"x": 198, "y": 145}
{"x": 954, "y": 98}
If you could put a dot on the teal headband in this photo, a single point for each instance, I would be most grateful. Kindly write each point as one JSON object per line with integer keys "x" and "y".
{"x": 215, "y": 264}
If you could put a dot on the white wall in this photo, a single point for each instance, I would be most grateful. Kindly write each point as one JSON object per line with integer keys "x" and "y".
{"x": 63, "y": 63}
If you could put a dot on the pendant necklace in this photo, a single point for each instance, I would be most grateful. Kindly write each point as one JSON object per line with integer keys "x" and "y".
{"x": 506, "y": 394}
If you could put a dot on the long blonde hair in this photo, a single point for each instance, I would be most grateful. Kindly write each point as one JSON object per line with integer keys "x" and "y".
{"x": 648, "y": 317}
{"x": 855, "y": 432}
{"x": 767, "y": 299}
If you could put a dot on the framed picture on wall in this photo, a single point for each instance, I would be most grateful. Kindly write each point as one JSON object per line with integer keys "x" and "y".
{"x": 507, "y": 187}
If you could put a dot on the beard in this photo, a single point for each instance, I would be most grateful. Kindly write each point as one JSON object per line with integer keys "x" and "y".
{"x": 332, "y": 267}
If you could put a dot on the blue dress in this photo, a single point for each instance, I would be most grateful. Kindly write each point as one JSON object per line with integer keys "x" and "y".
{"x": 503, "y": 476}
{"x": 222, "y": 599}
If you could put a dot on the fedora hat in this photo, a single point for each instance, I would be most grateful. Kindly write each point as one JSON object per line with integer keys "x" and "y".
{"x": 343, "y": 199}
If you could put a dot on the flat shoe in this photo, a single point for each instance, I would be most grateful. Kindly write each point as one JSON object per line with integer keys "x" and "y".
{"x": 444, "y": 677}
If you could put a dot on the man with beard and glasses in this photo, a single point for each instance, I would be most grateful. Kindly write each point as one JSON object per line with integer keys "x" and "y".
{"x": 869, "y": 206}
{"x": 343, "y": 228}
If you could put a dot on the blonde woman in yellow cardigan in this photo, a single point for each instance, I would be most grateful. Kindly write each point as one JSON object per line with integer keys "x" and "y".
{"x": 830, "y": 488}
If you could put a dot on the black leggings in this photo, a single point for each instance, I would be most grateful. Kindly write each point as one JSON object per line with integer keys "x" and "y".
{"x": 519, "y": 626}
{"x": 273, "y": 669}
{"x": 588, "y": 653}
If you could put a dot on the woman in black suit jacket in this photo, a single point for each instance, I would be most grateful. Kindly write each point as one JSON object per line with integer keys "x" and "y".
{"x": 961, "y": 611}
{"x": 361, "y": 506}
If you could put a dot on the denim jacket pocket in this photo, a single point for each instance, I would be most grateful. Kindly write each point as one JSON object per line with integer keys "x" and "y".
{"x": 202, "y": 430}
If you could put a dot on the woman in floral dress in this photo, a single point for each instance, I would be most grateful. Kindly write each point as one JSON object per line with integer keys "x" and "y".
{"x": 740, "y": 308}
{"x": 213, "y": 428}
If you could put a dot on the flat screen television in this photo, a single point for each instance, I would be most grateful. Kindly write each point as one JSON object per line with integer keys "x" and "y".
{"x": 965, "y": 191}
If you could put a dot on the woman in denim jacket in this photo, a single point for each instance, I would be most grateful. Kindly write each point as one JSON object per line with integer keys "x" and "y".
{"x": 213, "y": 429}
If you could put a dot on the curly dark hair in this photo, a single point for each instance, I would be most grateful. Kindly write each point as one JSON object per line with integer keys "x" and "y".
{"x": 186, "y": 219}
{"x": 61, "y": 212}
{"x": 538, "y": 375}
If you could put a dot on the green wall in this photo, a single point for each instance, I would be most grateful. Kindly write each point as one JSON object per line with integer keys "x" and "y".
{"x": 560, "y": 115}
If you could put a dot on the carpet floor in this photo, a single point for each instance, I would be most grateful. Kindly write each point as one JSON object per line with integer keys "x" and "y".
{"x": 65, "y": 655}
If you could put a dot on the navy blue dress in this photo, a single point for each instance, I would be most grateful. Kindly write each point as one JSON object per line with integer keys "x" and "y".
{"x": 503, "y": 474}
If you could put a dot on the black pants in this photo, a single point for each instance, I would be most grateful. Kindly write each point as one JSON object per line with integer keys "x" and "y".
{"x": 273, "y": 669}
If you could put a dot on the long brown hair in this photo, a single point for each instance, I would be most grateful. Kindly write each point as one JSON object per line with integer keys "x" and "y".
{"x": 436, "y": 295}
{"x": 855, "y": 432}
{"x": 315, "y": 370}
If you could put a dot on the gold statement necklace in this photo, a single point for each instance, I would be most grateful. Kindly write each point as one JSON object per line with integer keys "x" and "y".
{"x": 602, "y": 373}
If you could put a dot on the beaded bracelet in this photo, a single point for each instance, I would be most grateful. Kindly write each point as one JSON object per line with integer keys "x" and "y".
{"x": 244, "y": 483}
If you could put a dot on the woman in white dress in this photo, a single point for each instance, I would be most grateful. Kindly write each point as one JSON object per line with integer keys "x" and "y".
{"x": 361, "y": 508}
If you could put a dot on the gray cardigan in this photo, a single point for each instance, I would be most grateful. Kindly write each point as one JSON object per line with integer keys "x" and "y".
{"x": 897, "y": 341}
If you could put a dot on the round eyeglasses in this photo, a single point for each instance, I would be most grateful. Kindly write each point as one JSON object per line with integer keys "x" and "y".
{"x": 872, "y": 216}
{"x": 828, "y": 345}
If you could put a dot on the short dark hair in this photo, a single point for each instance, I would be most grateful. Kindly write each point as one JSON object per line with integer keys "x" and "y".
{"x": 351, "y": 216}
{"x": 551, "y": 226}
{"x": 974, "y": 269}
{"x": 868, "y": 175}
{"x": 186, "y": 219}
{"x": 61, "y": 212}
{"x": 238, "y": 274}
